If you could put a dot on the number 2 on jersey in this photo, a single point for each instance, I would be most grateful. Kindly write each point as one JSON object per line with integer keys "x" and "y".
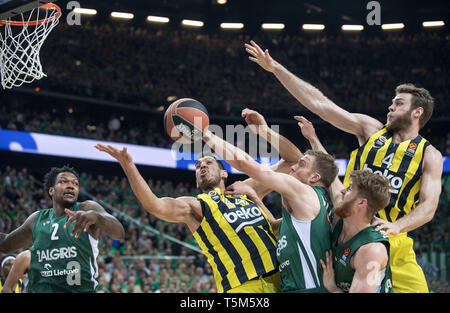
{"x": 55, "y": 229}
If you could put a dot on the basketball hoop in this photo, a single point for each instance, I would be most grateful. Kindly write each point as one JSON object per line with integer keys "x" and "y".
{"x": 20, "y": 43}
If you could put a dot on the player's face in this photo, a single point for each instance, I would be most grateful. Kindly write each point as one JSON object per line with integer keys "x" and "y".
{"x": 399, "y": 116}
{"x": 66, "y": 189}
{"x": 303, "y": 170}
{"x": 345, "y": 207}
{"x": 207, "y": 173}
{"x": 7, "y": 268}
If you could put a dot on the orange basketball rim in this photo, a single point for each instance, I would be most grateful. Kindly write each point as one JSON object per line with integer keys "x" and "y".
{"x": 51, "y": 18}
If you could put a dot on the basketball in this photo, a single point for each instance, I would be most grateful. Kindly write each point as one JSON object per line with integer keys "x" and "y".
{"x": 185, "y": 120}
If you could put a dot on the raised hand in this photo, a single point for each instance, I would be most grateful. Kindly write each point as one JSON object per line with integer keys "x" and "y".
{"x": 261, "y": 57}
{"x": 254, "y": 120}
{"x": 306, "y": 127}
{"x": 120, "y": 155}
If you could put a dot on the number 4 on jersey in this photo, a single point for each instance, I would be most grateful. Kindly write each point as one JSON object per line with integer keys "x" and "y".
{"x": 388, "y": 160}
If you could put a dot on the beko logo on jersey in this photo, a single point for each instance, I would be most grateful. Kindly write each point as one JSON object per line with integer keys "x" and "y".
{"x": 243, "y": 213}
{"x": 394, "y": 182}
{"x": 56, "y": 254}
{"x": 244, "y": 216}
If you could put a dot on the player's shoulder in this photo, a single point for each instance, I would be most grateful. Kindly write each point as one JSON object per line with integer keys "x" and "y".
{"x": 191, "y": 201}
{"x": 433, "y": 152}
{"x": 371, "y": 251}
{"x": 193, "y": 204}
{"x": 432, "y": 157}
{"x": 369, "y": 126}
{"x": 24, "y": 256}
{"x": 31, "y": 220}
{"x": 90, "y": 205}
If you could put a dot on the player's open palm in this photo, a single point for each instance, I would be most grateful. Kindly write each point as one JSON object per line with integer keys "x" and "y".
{"x": 329, "y": 281}
{"x": 259, "y": 56}
{"x": 120, "y": 155}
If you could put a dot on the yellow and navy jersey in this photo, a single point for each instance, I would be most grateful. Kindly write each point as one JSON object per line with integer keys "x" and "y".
{"x": 400, "y": 163}
{"x": 19, "y": 286}
{"x": 237, "y": 239}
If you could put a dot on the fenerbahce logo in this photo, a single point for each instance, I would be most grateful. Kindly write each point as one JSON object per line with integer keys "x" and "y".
{"x": 244, "y": 216}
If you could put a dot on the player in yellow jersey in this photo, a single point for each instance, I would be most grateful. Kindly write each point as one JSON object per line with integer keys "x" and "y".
{"x": 5, "y": 269}
{"x": 234, "y": 232}
{"x": 395, "y": 150}
{"x": 16, "y": 274}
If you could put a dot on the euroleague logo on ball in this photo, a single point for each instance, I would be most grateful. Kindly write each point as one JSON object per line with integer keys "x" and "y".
{"x": 185, "y": 120}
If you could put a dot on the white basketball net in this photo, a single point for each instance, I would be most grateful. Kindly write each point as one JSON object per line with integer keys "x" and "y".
{"x": 20, "y": 45}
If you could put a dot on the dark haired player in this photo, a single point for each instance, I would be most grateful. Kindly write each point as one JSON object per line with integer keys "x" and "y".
{"x": 234, "y": 232}
{"x": 64, "y": 238}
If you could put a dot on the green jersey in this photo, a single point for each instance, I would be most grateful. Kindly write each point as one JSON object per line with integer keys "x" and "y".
{"x": 301, "y": 245}
{"x": 342, "y": 254}
{"x": 59, "y": 262}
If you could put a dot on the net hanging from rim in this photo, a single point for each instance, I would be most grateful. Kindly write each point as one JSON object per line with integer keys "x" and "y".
{"x": 20, "y": 43}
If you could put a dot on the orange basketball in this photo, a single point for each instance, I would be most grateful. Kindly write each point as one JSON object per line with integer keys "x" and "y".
{"x": 185, "y": 120}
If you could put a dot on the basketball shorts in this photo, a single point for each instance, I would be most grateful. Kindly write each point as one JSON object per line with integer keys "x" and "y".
{"x": 407, "y": 275}
{"x": 269, "y": 284}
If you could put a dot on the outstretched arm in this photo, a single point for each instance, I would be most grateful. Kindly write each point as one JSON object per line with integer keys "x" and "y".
{"x": 289, "y": 153}
{"x": 92, "y": 218}
{"x": 240, "y": 160}
{"x": 168, "y": 209}
{"x": 430, "y": 190}
{"x": 313, "y": 99}
{"x": 309, "y": 133}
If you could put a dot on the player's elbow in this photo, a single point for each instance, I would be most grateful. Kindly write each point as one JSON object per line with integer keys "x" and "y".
{"x": 6, "y": 250}
{"x": 429, "y": 215}
{"x": 119, "y": 234}
{"x": 154, "y": 205}
{"x": 430, "y": 210}
{"x": 5, "y": 245}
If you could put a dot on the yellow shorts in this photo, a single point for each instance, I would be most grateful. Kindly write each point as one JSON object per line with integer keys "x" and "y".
{"x": 270, "y": 284}
{"x": 407, "y": 275}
